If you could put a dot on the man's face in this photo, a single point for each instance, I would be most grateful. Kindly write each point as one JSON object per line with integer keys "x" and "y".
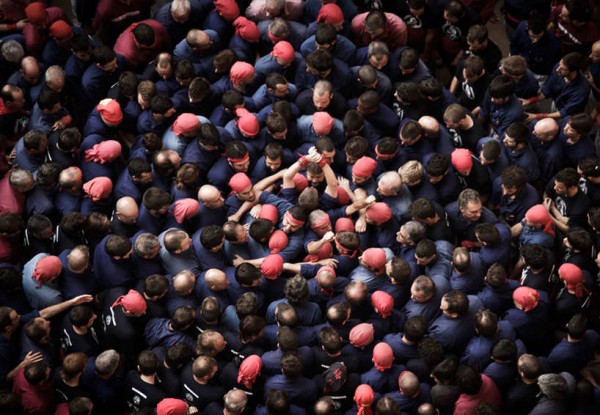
{"x": 379, "y": 62}
{"x": 247, "y": 195}
{"x": 18, "y": 100}
{"x": 321, "y": 102}
{"x": 509, "y": 191}
{"x": 473, "y": 211}
{"x": 42, "y": 148}
{"x": 241, "y": 234}
{"x": 359, "y": 180}
{"x": 281, "y": 90}
{"x": 273, "y": 164}
{"x": 128, "y": 219}
{"x": 535, "y": 37}
{"x": 144, "y": 178}
{"x": 289, "y": 227}
{"x": 475, "y": 46}
{"x": 403, "y": 237}
{"x": 452, "y": 124}
{"x": 328, "y": 155}
{"x": 242, "y": 166}
{"x": 374, "y": 32}
{"x": 435, "y": 179}
{"x": 560, "y": 188}
{"x": 444, "y": 308}
{"x": 570, "y": 133}
{"x": 215, "y": 202}
{"x": 110, "y": 66}
{"x": 315, "y": 179}
{"x": 509, "y": 142}
{"x": 418, "y": 296}
{"x": 595, "y": 55}
{"x": 500, "y": 101}
{"x": 422, "y": 261}
{"x": 562, "y": 69}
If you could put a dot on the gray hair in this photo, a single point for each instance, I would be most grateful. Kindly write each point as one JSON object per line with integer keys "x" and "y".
{"x": 553, "y": 386}
{"x": 322, "y": 87}
{"x": 53, "y": 73}
{"x": 468, "y": 196}
{"x": 235, "y": 401}
{"x": 180, "y": 7}
{"x": 378, "y": 49}
{"x": 415, "y": 230}
{"x": 146, "y": 244}
{"x": 12, "y": 51}
{"x": 107, "y": 362}
{"x": 20, "y": 179}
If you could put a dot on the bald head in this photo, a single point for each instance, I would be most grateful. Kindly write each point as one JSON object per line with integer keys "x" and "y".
{"x": 198, "y": 39}
{"x": 408, "y": 383}
{"x": 430, "y": 125}
{"x": 235, "y": 401}
{"x": 210, "y": 197}
{"x": 389, "y": 184}
{"x": 546, "y": 129}
{"x": 216, "y": 279}
{"x": 127, "y": 210}
{"x": 71, "y": 178}
{"x": 356, "y": 292}
{"x": 30, "y": 70}
{"x": 326, "y": 279}
{"x": 184, "y": 282}
{"x": 78, "y": 259}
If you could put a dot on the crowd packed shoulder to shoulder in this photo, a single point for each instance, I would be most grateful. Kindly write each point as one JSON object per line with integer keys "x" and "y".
{"x": 271, "y": 207}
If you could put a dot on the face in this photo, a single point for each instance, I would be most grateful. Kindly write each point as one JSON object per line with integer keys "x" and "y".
{"x": 403, "y": 237}
{"x": 129, "y": 219}
{"x": 247, "y": 195}
{"x": 185, "y": 244}
{"x": 273, "y": 164}
{"x": 83, "y": 56}
{"x": 452, "y": 124}
{"x": 289, "y": 227}
{"x": 242, "y": 166}
{"x": 509, "y": 191}
{"x": 444, "y": 308}
{"x": 31, "y": 75}
{"x": 560, "y": 188}
{"x": 509, "y": 142}
{"x": 535, "y": 37}
{"x": 164, "y": 72}
{"x": 281, "y": 90}
{"x": 562, "y": 69}
{"x": 473, "y": 211}
{"x": 322, "y": 102}
{"x": 475, "y": 46}
{"x": 241, "y": 234}
{"x": 570, "y": 133}
{"x": 500, "y": 101}
{"x": 215, "y": 202}
{"x": 359, "y": 180}
{"x": 328, "y": 155}
{"x": 435, "y": 179}
{"x": 378, "y": 62}
{"x": 421, "y": 261}
{"x": 315, "y": 179}
{"x": 418, "y": 296}
{"x": 282, "y": 135}
{"x": 18, "y": 100}
{"x": 595, "y": 55}
{"x": 374, "y": 32}
{"x": 110, "y": 66}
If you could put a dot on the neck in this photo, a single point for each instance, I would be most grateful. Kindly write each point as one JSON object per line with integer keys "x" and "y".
{"x": 80, "y": 330}
{"x": 151, "y": 379}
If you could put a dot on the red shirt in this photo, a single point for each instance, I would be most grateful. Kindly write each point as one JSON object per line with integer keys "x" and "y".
{"x": 140, "y": 57}
{"x": 11, "y": 200}
{"x": 394, "y": 35}
{"x": 467, "y": 404}
{"x": 36, "y": 399}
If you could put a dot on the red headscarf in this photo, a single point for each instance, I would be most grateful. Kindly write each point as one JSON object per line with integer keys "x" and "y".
{"x": 330, "y": 13}
{"x": 246, "y": 29}
{"x": 362, "y": 335}
{"x": 322, "y": 122}
{"x": 185, "y": 209}
{"x": 539, "y": 214}
{"x": 284, "y": 51}
{"x": 36, "y": 12}
{"x": 98, "y": 188}
{"x": 375, "y": 258}
{"x": 186, "y": 123}
{"x": 103, "y": 152}
{"x": 110, "y": 110}
{"x": 272, "y": 266}
{"x": 228, "y": 9}
{"x": 344, "y": 224}
{"x": 364, "y": 398}
{"x": 132, "y": 302}
{"x": 364, "y": 167}
{"x": 46, "y": 269}
{"x": 278, "y": 241}
{"x": 241, "y": 72}
{"x": 171, "y": 406}
{"x": 240, "y": 182}
{"x": 247, "y": 122}
{"x": 572, "y": 275}
{"x": 383, "y": 302}
{"x": 526, "y": 297}
{"x": 383, "y": 356}
{"x": 379, "y": 213}
{"x": 461, "y": 159}
{"x": 249, "y": 371}
{"x": 270, "y": 213}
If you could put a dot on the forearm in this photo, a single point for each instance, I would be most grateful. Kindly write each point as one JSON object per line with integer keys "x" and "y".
{"x": 288, "y": 176}
{"x": 269, "y": 180}
{"x": 315, "y": 246}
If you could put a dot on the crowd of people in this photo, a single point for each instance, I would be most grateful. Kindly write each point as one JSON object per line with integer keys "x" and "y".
{"x": 280, "y": 207}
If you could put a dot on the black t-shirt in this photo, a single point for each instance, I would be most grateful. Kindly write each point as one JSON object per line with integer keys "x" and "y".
{"x": 198, "y": 395}
{"x": 471, "y": 95}
{"x": 575, "y": 208}
{"x": 140, "y": 394}
{"x": 72, "y": 342}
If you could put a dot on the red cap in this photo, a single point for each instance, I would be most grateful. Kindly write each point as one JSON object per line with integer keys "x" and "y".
{"x": 364, "y": 396}
{"x": 462, "y": 160}
{"x": 300, "y": 182}
{"x": 228, "y": 9}
{"x": 185, "y": 209}
{"x": 36, "y": 12}
{"x": 362, "y": 335}
{"x": 186, "y": 123}
{"x": 241, "y": 72}
{"x": 60, "y": 30}
{"x": 270, "y": 213}
{"x": 246, "y": 29}
{"x": 379, "y": 213}
{"x": 272, "y": 266}
{"x": 171, "y": 406}
{"x": 383, "y": 356}
{"x": 572, "y": 275}
{"x": 322, "y": 122}
{"x": 539, "y": 214}
{"x": 375, "y": 258}
{"x": 103, "y": 152}
{"x": 247, "y": 122}
{"x": 46, "y": 269}
{"x": 132, "y": 302}
{"x": 278, "y": 241}
{"x": 284, "y": 51}
{"x": 364, "y": 167}
{"x": 98, "y": 188}
{"x": 110, "y": 110}
{"x": 330, "y": 13}
{"x": 249, "y": 370}
{"x": 526, "y": 297}
{"x": 383, "y": 302}
{"x": 344, "y": 224}
{"x": 240, "y": 182}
